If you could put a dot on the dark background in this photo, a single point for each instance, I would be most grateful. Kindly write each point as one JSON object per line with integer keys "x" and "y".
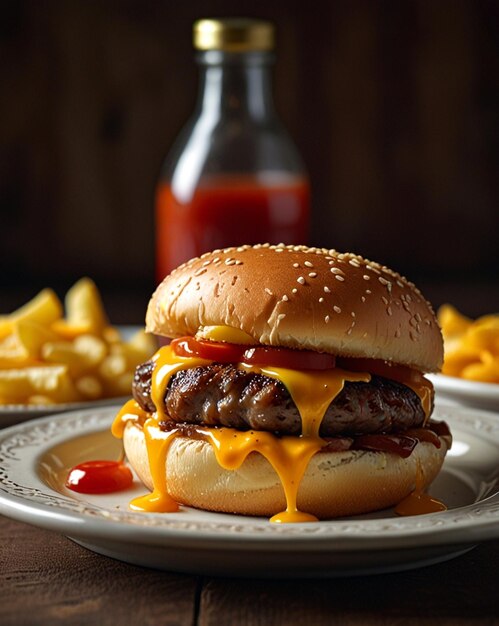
{"x": 394, "y": 107}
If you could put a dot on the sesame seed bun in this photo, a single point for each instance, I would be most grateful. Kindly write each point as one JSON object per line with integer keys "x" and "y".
{"x": 304, "y": 298}
{"x": 334, "y": 484}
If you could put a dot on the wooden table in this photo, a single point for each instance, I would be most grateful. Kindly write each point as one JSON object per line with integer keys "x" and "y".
{"x": 47, "y": 579}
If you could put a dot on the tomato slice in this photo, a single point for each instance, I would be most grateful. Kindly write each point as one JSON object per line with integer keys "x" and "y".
{"x": 99, "y": 477}
{"x": 261, "y": 355}
{"x": 400, "y": 373}
{"x": 210, "y": 350}
{"x": 291, "y": 359}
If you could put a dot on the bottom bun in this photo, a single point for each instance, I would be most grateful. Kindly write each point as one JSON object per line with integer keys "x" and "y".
{"x": 335, "y": 484}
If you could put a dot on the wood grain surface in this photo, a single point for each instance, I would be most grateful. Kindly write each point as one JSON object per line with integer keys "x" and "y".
{"x": 47, "y": 579}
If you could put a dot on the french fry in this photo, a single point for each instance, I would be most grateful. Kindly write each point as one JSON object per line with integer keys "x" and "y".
{"x": 144, "y": 342}
{"x": 64, "y": 353}
{"x": 119, "y": 385}
{"x": 81, "y": 356}
{"x": 84, "y": 307}
{"x": 140, "y": 348}
{"x": 32, "y": 336}
{"x": 39, "y": 400}
{"x": 44, "y": 309}
{"x": 112, "y": 366}
{"x": 451, "y": 321}
{"x": 65, "y": 330}
{"x": 92, "y": 348}
{"x": 111, "y": 335}
{"x": 13, "y": 354}
{"x": 17, "y": 385}
{"x": 90, "y": 387}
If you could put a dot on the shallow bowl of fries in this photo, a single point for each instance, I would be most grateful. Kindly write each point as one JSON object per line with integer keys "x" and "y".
{"x": 470, "y": 373}
{"x": 56, "y": 357}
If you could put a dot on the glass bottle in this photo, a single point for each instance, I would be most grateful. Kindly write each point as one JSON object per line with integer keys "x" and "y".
{"x": 234, "y": 175}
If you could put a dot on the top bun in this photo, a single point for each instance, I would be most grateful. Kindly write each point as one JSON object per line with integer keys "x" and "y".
{"x": 299, "y": 297}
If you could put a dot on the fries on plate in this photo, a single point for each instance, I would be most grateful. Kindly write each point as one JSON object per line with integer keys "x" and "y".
{"x": 49, "y": 357}
{"x": 471, "y": 346}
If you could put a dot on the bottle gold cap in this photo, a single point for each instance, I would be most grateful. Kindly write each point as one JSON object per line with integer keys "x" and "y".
{"x": 233, "y": 35}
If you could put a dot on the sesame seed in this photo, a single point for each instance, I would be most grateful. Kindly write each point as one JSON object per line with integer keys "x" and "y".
{"x": 326, "y": 319}
{"x": 385, "y": 282}
{"x": 267, "y": 290}
{"x": 336, "y": 309}
{"x": 300, "y": 280}
{"x": 354, "y": 262}
{"x": 389, "y": 310}
{"x": 326, "y": 289}
{"x": 308, "y": 264}
{"x": 336, "y": 270}
{"x": 313, "y": 274}
{"x": 366, "y": 277}
{"x": 385, "y": 301}
{"x": 206, "y": 263}
{"x": 285, "y": 298}
{"x": 294, "y": 290}
{"x": 280, "y": 317}
{"x": 353, "y": 314}
{"x": 321, "y": 299}
{"x": 368, "y": 291}
{"x": 296, "y": 265}
{"x": 340, "y": 278}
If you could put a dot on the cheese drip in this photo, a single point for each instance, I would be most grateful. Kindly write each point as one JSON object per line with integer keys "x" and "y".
{"x": 418, "y": 502}
{"x": 424, "y": 390}
{"x": 311, "y": 391}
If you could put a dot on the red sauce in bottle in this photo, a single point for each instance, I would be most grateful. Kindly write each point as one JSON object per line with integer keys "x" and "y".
{"x": 229, "y": 211}
{"x": 99, "y": 477}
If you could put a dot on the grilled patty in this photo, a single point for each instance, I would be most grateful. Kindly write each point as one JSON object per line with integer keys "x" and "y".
{"x": 222, "y": 395}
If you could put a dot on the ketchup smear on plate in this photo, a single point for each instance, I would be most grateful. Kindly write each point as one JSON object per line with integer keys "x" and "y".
{"x": 99, "y": 477}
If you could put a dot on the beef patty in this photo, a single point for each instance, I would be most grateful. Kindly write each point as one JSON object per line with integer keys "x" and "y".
{"x": 222, "y": 395}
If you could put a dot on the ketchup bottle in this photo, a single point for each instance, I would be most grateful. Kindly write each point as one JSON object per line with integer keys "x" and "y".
{"x": 234, "y": 175}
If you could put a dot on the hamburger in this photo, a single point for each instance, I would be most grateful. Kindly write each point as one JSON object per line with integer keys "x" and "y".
{"x": 292, "y": 388}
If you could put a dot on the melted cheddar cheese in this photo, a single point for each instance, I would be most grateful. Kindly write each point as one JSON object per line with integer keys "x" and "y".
{"x": 311, "y": 391}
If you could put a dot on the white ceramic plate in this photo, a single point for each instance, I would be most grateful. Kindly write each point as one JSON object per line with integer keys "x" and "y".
{"x": 16, "y": 413}
{"x": 461, "y": 391}
{"x": 35, "y": 456}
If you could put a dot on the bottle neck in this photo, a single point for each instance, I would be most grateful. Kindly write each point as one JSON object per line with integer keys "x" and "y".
{"x": 237, "y": 84}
